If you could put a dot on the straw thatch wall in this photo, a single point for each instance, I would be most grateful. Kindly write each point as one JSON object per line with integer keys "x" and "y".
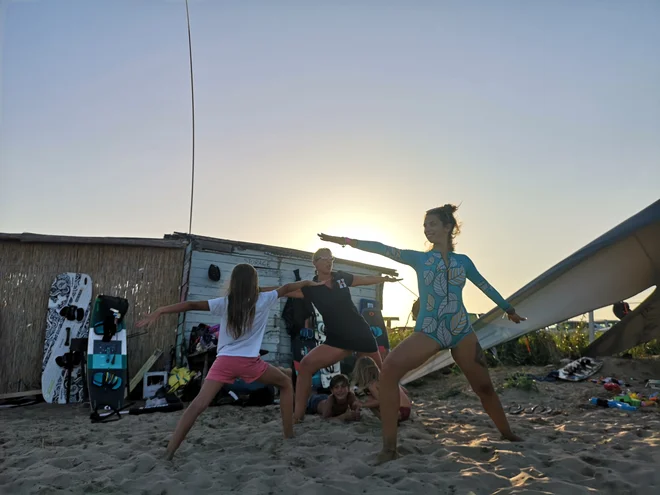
{"x": 147, "y": 275}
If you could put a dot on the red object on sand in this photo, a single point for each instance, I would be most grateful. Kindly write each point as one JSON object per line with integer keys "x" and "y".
{"x": 612, "y": 387}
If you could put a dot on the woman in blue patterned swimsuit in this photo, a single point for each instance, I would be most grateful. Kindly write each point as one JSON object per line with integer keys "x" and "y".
{"x": 442, "y": 322}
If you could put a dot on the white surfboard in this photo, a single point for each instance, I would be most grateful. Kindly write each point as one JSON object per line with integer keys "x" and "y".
{"x": 69, "y": 308}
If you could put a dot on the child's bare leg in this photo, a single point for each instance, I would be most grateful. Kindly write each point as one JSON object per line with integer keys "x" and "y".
{"x": 209, "y": 390}
{"x": 321, "y": 406}
{"x": 275, "y": 376}
{"x": 287, "y": 371}
{"x": 470, "y": 358}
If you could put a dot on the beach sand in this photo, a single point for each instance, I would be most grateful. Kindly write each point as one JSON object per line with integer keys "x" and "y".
{"x": 450, "y": 446}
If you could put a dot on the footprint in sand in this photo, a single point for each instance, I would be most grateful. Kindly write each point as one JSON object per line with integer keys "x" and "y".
{"x": 594, "y": 461}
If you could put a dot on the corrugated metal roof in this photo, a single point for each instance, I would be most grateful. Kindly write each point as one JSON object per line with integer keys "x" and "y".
{"x": 202, "y": 243}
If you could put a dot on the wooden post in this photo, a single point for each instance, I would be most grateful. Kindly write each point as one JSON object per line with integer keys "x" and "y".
{"x": 592, "y": 328}
{"x": 388, "y": 321}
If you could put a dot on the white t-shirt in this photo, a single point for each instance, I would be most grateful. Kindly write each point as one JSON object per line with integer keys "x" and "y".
{"x": 249, "y": 344}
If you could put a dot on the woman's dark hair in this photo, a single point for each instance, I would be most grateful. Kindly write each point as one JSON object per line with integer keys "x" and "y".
{"x": 242, "y": 299}
{"x": 446, "y": 215}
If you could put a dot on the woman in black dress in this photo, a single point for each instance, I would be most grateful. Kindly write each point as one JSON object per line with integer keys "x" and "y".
{"x": 345, "y": 329}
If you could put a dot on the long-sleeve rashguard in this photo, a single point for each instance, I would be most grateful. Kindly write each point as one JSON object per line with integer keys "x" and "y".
{"x": 442, "y": 314}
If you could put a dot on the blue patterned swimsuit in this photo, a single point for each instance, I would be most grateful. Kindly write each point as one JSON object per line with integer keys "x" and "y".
{"x": 442, "y": 315}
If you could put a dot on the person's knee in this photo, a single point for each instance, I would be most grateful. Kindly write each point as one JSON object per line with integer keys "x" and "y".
{"x": 392, "y": 371}
{"x": 484, "y": 389}
{"x": 285, "y": 385}
{"x": 307, "y": 366}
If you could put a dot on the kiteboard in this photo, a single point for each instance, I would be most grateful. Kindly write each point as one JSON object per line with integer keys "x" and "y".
{"x": 69, "y": 303}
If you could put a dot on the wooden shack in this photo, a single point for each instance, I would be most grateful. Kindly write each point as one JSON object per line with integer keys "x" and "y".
{"x": 149, "y": 273}
{"x": 275, "y": 266}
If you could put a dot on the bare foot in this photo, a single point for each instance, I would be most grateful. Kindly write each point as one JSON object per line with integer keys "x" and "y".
{"x": 168, "y": 456}
{"x": 386, "y": 456}
{"x": 297, "y": 420}
{"x": 512, "y": 437}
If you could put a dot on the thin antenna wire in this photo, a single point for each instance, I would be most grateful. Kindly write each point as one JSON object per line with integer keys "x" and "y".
{"x": 408, "y": 290}
{"x": 192, "y": 98}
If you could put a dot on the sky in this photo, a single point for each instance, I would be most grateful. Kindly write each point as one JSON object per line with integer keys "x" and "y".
{"x": 541, "y": 119}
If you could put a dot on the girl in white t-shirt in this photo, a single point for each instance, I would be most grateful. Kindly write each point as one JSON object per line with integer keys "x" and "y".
{"x": 243, "y": 315}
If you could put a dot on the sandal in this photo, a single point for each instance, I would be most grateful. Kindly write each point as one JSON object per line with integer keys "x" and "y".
{"x": 515, "y": 409}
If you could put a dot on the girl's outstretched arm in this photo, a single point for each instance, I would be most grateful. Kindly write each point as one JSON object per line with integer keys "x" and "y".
{"x": 295, "y": 287}
{"x": 204, "y": 305}
{"x": 173, "y": 308}
{"x": 405, "y": 256}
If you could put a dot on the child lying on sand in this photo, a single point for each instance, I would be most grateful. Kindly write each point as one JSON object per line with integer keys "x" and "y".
{"x": 340, "y": 404}
{"x": 365, "y": 376}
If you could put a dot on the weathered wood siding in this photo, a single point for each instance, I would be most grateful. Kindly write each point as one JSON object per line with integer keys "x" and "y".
{"x": 274, "y": 270}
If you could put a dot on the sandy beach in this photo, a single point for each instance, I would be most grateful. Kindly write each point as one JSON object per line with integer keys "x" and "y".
{"x": 450, "y": 446}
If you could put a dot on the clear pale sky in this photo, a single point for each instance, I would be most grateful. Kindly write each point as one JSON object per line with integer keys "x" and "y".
{"x": 351, "y": 118}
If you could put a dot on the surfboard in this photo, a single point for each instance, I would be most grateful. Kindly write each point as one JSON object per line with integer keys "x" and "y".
{"x": 69, "y": 303}
{"x": 580, "y": 369}
{"x": 107, "y": 360}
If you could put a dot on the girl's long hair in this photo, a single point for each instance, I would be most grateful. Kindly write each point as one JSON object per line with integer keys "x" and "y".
{"x": 242, "y": 299}
{"x": 365, "y": 372}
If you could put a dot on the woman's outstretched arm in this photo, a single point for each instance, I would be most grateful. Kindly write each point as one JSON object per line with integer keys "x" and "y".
{"x": 405, "y": 256}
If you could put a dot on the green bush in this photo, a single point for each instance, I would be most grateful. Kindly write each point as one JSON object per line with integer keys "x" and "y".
{"x": 534, "y": 349}
{"x": 546, "y": 347}
{"x": 645, "y": 350}
{"x": 397, "y": 335}
{"x": 520, "y": 381}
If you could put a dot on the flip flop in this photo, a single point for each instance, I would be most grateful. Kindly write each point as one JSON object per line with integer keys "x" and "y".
{"x": 515, "y": 409}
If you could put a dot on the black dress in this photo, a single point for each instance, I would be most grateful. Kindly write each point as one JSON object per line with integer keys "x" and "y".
{"x": 345, "y": 328}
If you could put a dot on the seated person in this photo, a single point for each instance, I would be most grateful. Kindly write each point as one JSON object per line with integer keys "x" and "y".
{"x": 365, "y": 377}
{"x": 340, "y": 404}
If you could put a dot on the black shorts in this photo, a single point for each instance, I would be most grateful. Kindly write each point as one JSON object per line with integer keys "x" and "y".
{"x": 356, "y": 340}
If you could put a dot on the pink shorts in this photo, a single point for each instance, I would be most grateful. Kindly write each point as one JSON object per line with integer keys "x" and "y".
{"x": 226, "y": 369}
